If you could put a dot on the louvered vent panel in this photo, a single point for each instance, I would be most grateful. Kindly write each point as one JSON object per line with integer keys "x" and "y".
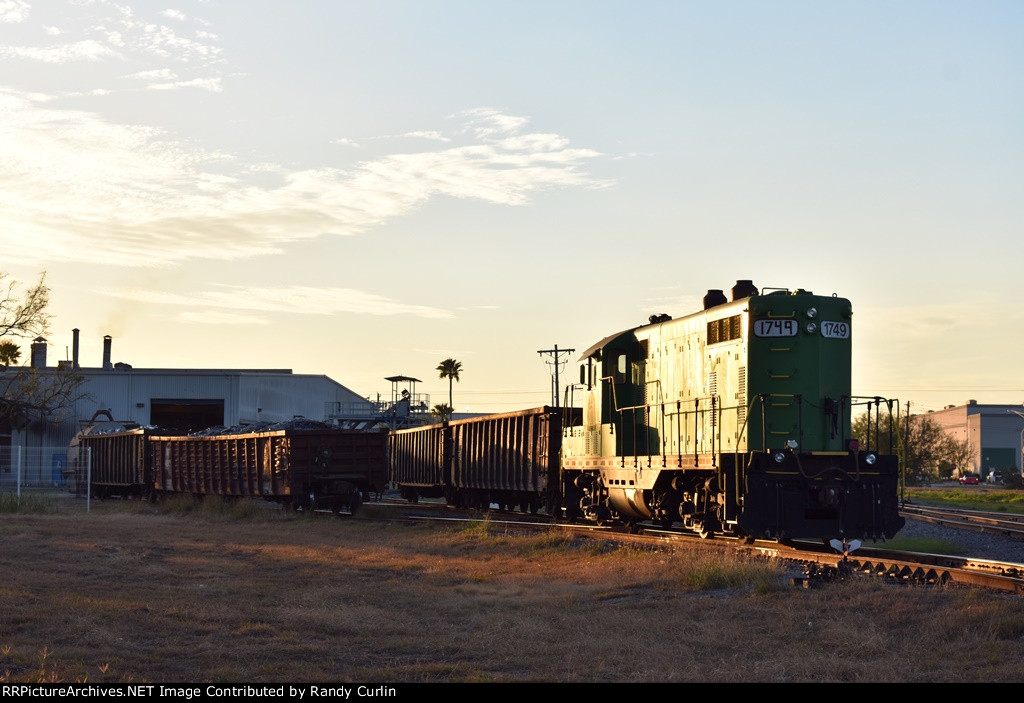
{"x": 742, "y": 394}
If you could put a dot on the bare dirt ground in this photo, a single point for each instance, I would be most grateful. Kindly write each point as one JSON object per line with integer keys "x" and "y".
{"x": 134, "y": 595}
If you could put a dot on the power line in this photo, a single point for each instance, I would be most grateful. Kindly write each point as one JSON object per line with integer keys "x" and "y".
{"x": 555, "y": 353}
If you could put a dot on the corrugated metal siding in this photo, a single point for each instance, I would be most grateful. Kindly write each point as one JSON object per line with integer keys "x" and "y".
{"x": 269, "y": 464}
{"x": 509, "y": 452}
{"x": 416, "y": 456}
{"x": 116, "y": 460}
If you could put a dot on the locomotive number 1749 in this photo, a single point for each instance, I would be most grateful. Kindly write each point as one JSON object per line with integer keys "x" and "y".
{"x": 835, "y": 330}
{"x": 775, "y": 328}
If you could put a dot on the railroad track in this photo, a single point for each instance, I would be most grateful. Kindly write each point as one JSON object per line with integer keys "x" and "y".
{"x": 1002, "y": 524}
{"x": 818, "y": 562}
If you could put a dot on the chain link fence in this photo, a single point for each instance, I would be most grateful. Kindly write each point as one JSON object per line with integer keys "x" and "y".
{"x": 40, "y": 478}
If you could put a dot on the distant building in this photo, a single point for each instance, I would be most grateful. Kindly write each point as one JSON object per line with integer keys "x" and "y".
{"x": 995, "y": 434}
{"x": 182, "y": 400}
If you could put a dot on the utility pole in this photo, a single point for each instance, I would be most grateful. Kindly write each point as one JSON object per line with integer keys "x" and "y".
{"x": 555, "y": 355}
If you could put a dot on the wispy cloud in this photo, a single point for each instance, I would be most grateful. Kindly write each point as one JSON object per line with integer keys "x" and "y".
{"x": 428, "y": 134}
{"x": 14, "y": 10}
{"x": 103, "y": 32}
{"x": 292, "y": 300}
{"x": 212, "y": 84}
{"x": 215, "y": 317}
{"x": 85, "y": 50}
{"x": 85, "y": 189}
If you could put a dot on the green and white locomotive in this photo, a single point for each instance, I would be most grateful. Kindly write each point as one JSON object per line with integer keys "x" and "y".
{"x": 735, "y": 419}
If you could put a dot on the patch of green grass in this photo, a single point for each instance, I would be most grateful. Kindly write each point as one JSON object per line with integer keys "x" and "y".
{"x": 715, "y": 574}
{"x": 924, "y": 544}
{"x": 214, "y": 506}
{"x": 995, "y": 499}
{"x": 542, "y": 543}
{"x": 480, "y": 529}
{"x": 13, "y": 503}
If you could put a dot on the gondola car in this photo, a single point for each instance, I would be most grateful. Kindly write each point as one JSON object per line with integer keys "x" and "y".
{"x": 507, "y": 459}
{"x": 308, "y": 469}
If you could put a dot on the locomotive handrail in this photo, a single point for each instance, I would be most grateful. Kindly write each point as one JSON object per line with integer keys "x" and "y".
{"x": 665, "y": 412}
{"x": 894, "y": 431}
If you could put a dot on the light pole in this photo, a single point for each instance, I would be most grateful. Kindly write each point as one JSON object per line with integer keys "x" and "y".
{"x": 1019, "y": 414}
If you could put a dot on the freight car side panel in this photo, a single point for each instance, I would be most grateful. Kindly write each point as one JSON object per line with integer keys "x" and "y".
{"x": 115, "y": 462}
{"x": 272, "y": 465}
{"x": 509, "y": 458}
{"x": 320, "y": 459}
{"x": 416, "y": 456}
{"x": 508, "y": 452}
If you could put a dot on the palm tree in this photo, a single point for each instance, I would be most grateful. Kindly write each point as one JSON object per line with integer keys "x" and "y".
{"x": 441, "y": 411}
{"x": 450, "y": 368}
{"x": 9, "y": 353}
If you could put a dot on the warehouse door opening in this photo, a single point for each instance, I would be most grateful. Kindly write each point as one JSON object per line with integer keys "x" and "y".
{"x": 186, "y": 415}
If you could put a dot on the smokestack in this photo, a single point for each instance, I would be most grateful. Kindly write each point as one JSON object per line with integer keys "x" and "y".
{"x": 39, "y": 353}
{"x": 74, "y": 348}
{"x": 106, "y": 352}
{"x": 714, "y": 297}
{"x": 743, "y": 289}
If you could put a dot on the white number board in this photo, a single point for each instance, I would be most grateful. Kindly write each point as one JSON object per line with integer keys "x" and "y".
{"x": 775, "y": 328}
{"x": 835, "y": 330}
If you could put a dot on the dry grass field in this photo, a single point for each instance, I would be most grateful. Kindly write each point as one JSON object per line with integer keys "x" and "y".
{"x": 127, "y": 593}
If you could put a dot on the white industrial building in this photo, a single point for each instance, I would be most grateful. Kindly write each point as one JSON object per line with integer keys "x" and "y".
{"x": 181, "y": 400}
{"x": 995, "y": 434}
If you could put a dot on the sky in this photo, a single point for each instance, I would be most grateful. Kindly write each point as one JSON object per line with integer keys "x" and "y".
{"x": 363, "y": 189}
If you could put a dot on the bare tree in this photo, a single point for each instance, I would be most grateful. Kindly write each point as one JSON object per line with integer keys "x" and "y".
{"x": 24, "y": 315}
{"x": 28, "y": 393}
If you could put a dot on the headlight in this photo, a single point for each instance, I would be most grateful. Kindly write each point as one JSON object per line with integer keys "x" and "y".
{"x": 811, "y": 328}
{"x": 780, "y": 457}
{"x": 871, "y": 458}
{"x": 812, "y": 313}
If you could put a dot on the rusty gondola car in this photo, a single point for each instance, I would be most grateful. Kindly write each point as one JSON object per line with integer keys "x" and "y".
{"x": 509, "y": 459}
{"x": 111, "y": 460}
{"x": 308, "y": 469}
